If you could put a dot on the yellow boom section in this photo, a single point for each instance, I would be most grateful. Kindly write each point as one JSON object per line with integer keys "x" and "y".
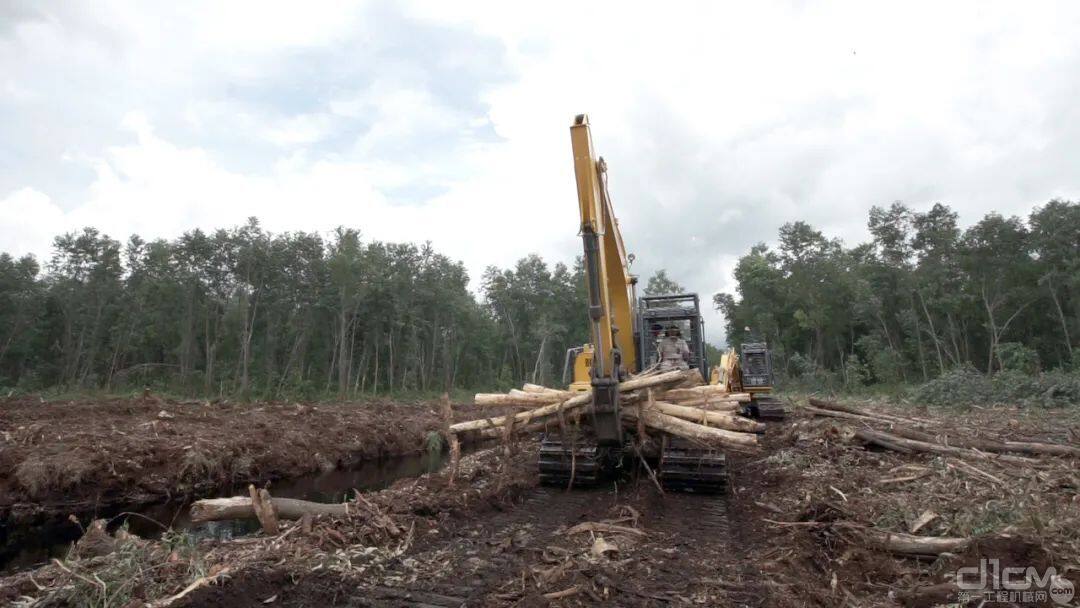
{"x": 611, "y": 298}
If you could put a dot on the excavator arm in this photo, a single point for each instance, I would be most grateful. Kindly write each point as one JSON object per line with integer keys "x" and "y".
{"x": 610, "y": 286}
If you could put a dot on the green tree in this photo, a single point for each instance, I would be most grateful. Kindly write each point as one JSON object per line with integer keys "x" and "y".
{"x": 659, "y": 284}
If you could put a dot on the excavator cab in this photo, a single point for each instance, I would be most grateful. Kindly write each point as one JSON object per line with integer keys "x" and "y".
{"x": 681, "y": 310}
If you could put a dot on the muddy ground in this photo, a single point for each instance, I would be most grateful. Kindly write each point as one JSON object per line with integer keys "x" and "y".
{"x": 792, "y": 532}
{"x": 84, "y": 456}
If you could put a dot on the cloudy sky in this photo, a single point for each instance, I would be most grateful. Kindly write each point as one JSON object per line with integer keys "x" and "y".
{"x": 448, "y": 121}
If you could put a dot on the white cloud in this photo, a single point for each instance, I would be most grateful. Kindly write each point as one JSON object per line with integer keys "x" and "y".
{"x": 720, "y": 121}
{"x": 28, "y": 222}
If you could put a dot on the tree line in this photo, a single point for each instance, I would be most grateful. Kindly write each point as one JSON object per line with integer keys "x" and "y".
{"x": 922, "y": 297}
{"x": 248, "y": 313}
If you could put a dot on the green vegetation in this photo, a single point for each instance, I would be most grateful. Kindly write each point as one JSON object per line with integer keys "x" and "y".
{"x": 247, "y": 313}
{"x": 990, "y": 313}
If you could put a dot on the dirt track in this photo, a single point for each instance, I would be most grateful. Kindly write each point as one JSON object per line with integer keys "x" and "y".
{"x": 690, "y": 550}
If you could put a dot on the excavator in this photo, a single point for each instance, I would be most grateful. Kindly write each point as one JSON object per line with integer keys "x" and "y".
{"x": 623, "y": 330}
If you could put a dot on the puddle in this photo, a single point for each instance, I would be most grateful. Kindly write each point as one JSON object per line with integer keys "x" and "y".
{"x": 30, "y": 546}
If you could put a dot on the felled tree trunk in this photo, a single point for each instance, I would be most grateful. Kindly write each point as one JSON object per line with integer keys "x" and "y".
{"x": 536, "y": 388}
{"x": 717, "y": 404}
{"x": 710, "y": 390}
{"x": 519, "y": 398}
{"x": 262, "y": 504}
{"x": 720, "y": 438}
{"x": 578, "y": 400}
{"x": 887, "y": 440}
{"x": 716, "y": 419}
{"x": 581, "y": 400}
{"x": 839, "y": 407}
{"x": 988, "y": 445}
{"x": 909, "y": 544}
{"x": 241, "y": 507}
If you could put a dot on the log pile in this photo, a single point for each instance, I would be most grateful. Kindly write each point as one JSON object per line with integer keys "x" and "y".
{"x": 675, "y": 403}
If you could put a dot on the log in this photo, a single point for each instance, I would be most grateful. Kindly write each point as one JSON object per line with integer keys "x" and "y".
{"x": 536, "y": 388}
{"x": 707, "y": 435}
{"x": 887, "y": 440}
{"x": 263, "y": 506}
{"x": 691, "y": 379}
{"x": 989, "y": 445}
{"x": 551, "y": 394}
{"x": 452, "y": 439}
{"x": 832, "y": 414}
{"x": 709, "y": 390}
{"x": 240, "y": 507}
{"x": 520, "y": 399}
{"x": 717, "y": 419}
{"x": 639, "y": 383}
{"x": 519, "y": 429}
{"x": 578, "y": 400}
{"x": 838, "y": 407}
{"x": 718, "y": 402}
{"x": 1029, "y": 447}
{"x": 909, "y": 544}
{"x": 719, "y": 406}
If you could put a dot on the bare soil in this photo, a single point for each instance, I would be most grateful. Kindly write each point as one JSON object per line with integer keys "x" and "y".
{"x": 63, "y": 457}
{"x": 788, "y": 535}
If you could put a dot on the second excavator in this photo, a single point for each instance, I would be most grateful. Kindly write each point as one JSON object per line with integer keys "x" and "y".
{"x": 625, "y": 332}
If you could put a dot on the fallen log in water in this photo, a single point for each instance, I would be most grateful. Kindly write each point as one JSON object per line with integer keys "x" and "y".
{"x": 241, "y": 507}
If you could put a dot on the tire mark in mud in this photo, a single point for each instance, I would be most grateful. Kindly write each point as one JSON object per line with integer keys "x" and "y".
{"x": 692, "y": 550}
{"x": 708, "y": 530}
{"x": 480, "y": 556}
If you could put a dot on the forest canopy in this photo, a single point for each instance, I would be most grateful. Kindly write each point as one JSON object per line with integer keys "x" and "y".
{"x": 922, "y": 298}
{"x": 250, "y": 313}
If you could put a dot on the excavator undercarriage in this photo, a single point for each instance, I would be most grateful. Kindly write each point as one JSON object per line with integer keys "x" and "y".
{"x": 575, "y": 460}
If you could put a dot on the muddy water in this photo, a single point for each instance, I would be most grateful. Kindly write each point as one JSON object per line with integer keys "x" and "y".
{"x": 29, "y": 546}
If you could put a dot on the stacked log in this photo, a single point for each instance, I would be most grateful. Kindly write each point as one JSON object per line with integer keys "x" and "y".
{"x": 680, "y": 405}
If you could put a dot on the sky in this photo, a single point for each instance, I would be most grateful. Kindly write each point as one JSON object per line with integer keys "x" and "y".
{"x": 449, "y": 121}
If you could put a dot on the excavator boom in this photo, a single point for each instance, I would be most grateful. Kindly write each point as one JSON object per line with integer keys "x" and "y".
{"x": 610, "y": 286}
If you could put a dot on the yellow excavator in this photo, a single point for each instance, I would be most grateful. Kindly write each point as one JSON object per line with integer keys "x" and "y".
{"x": 624, "y": 331}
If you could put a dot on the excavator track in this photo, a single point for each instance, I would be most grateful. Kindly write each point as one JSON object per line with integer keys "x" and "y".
{"x": 569, "y": 460}
{"x": 685, "y": 467}
{"x": 765, "y": 408}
